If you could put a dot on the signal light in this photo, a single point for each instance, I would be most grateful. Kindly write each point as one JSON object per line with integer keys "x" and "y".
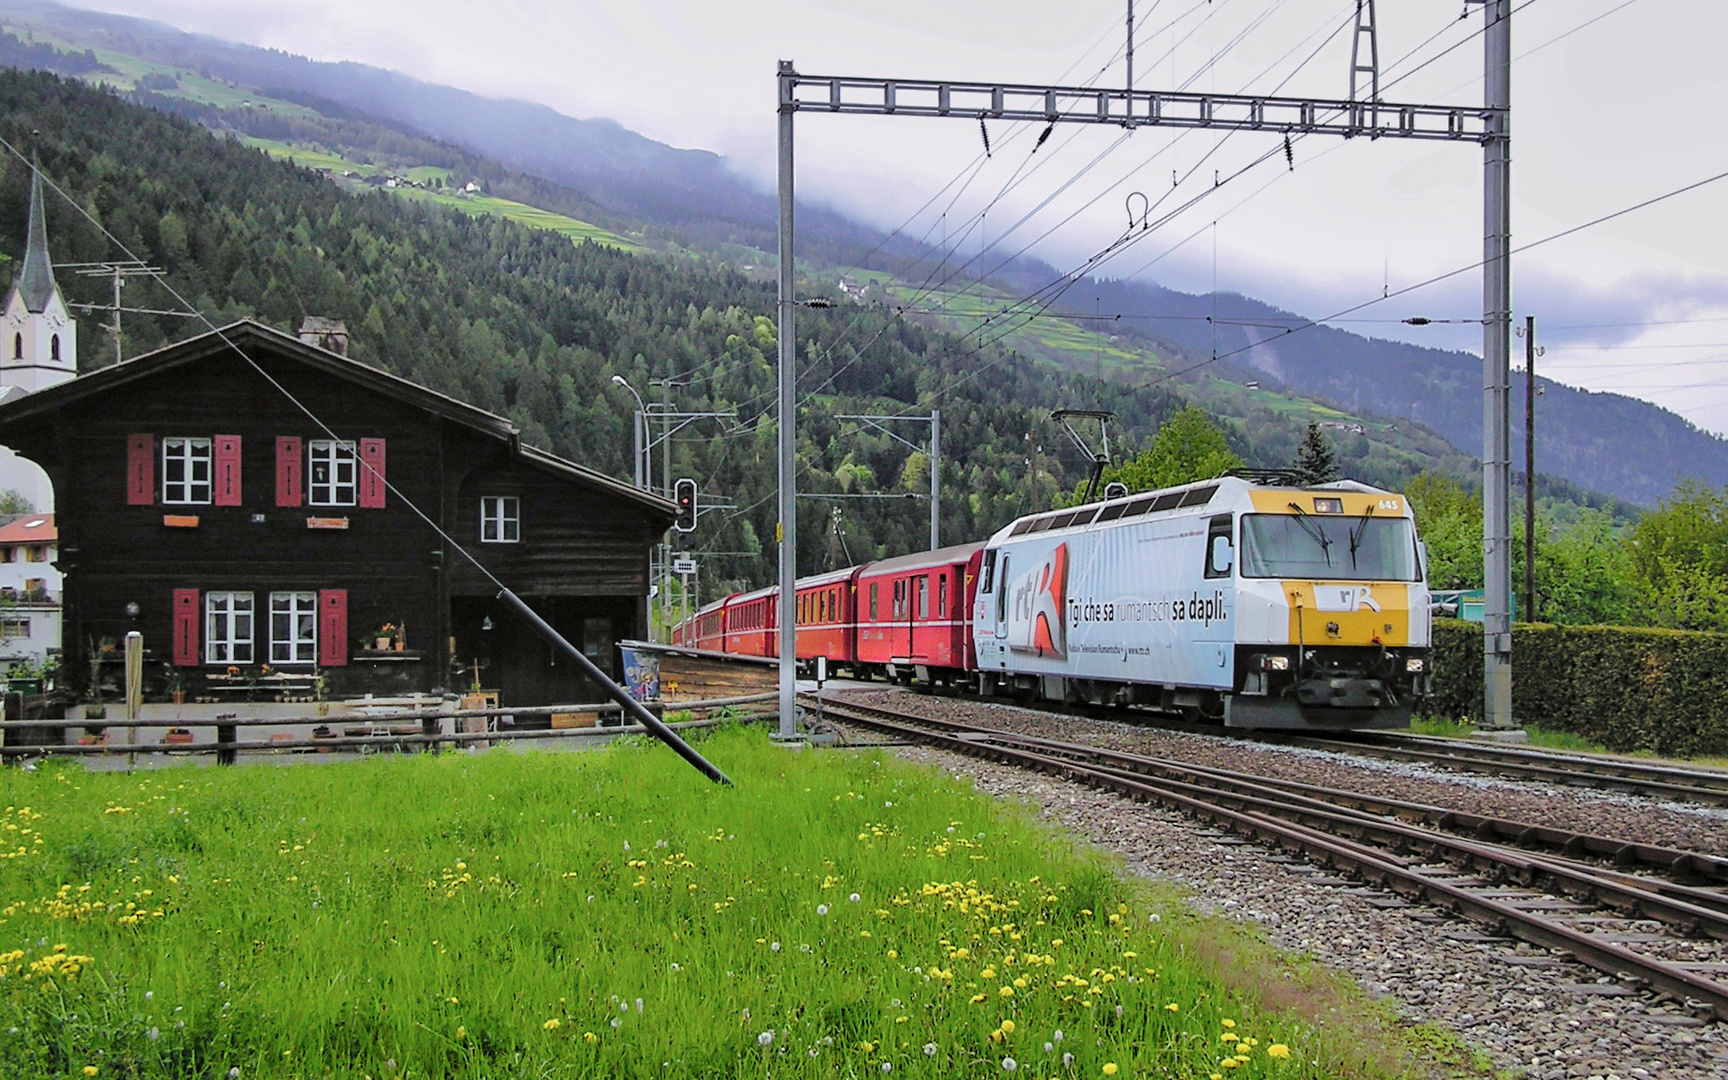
{"x": 684, "y": 494}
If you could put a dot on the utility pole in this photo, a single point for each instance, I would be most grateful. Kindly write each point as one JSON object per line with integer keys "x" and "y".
{"x": 1130, "y": 108}
{"x": 1497, "y": 370}
{"x": 119, "y": 270}
{"x": 1529, "y": 468}
{"x": 786, "y": 438}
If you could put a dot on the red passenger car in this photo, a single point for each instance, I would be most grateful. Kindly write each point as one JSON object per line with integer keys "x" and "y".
{"x": 912, "y": 615}
{"x": 749, "y": 623}
{"x": 827, "y": 617}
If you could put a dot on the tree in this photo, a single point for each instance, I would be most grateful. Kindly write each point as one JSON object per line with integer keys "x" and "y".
{"x": 12, "y": 501}
{"x": 1449, "y": 520}
{"x": 1315, "y": 462}
{"x": 1188, "y": 447}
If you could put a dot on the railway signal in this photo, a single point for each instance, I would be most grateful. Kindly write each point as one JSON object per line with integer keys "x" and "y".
{"x": 684, "y": 494}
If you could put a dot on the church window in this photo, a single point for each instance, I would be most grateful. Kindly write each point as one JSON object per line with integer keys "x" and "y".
{"x": 17, "y": 346}
{"x": 54, "y": 347}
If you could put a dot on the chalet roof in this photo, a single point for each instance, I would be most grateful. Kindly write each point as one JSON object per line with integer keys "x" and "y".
{"x": 35, "y": 281}
{"x": 248, "y": 334}
{"x": 29, "y": 529}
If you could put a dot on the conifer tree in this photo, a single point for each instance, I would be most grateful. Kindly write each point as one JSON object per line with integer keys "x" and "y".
{"x": 1316, "y": 462}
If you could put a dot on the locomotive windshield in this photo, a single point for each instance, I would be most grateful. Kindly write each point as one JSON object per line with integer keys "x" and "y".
{"x": 1328, "y": 548}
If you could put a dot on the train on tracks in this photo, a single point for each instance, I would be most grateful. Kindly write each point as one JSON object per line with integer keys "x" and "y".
{"x": 1245, "y": 599}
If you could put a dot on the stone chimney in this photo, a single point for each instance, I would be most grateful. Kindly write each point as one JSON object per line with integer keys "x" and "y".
{"x": 331, "y": 335}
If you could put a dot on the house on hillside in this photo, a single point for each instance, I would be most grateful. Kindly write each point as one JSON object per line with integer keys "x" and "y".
{"x": 29, "y": 593}
{"x": 245, "y": 499}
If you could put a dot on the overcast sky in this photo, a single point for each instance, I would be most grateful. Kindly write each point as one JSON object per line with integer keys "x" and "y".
{"x": 1614, "y": 112}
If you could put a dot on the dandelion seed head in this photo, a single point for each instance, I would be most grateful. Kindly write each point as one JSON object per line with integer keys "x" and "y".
{"x": 1009, "y": 1064}
{"x": 765, "y": 1039}
{"x": 887, "y": 1066}
{"x": 821, "y": 909}
{"x": 1067, "y": 1061}
{"x": 1058, "y": 1035}
{"x": 1048, "y": 1048}
{"x": 854, "y": 898}
{"x": 930, "y": 1049}
{"x": 615, "y": 1023}
{"x": 775, "y": 946}
{"x": 638, "y": 1006}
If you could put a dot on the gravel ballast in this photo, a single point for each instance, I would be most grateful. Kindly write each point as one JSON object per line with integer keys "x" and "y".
{"x": 1532, "y": 1012}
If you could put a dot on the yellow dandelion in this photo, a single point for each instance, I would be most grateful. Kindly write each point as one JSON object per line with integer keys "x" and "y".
{"x": 1172, "y": 1007}
{"x": 1110, "y": 1068}
{"x": 1228, "y": 1023}
{"x": 553, "y": 1024}
{"x": 1008, "y": 1027}
{"x": 590, "y": 1038}
{"x": 987, "y": 973}
{"x": 90, "y": 1070}
{"x": 1006, "y": 991}
{"x": 1279, "y": 1051}
{"x": 976, "y": 998}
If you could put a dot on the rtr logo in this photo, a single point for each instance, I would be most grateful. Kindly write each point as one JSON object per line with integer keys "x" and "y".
{"x": 1344, "y": 598}
{"x": 1037, "y": 600}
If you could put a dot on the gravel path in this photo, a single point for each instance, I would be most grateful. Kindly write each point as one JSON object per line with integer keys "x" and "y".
{"x": 1533, "y": 1013}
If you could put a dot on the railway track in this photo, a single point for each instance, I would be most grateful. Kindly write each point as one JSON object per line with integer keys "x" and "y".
{"x": 1680, "y": 783}
{"x": 1657, "y": 917}
{"x": 1693, "y": 784}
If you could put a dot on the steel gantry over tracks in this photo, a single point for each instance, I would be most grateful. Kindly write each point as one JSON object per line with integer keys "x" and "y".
{"x": 1487, "y": 125}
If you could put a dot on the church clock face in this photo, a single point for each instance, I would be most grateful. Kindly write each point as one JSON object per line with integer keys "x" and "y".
{"x": 55, "y": 319}
{"x": 15, "y": 319}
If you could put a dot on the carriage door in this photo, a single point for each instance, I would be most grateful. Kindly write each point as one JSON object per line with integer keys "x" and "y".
{"x": 999, "y": 617}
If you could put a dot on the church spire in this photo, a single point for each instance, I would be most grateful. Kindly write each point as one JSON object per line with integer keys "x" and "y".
{"x": 36, "y": 279}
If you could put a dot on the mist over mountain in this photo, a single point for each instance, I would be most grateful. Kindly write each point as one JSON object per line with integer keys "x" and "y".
{"x": 601, "y": 170}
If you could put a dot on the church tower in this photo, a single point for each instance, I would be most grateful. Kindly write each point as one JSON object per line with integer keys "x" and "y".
{"x": 38, "y": 339}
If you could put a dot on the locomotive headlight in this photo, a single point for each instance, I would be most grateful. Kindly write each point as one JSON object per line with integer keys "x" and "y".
{"x": 1274, "y": 663}
{"x": 1416, "y": 664}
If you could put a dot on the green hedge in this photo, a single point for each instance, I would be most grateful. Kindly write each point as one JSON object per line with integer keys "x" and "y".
{"x": 1629, "y": 689}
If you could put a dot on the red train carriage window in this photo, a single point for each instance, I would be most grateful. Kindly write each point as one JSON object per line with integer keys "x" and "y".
{"x": 900, "y": 599}
{"x": 824, "y": 602}
{"x": 924, "y": 596}
{"x": 872, "y": 601}
{"x": 942, "y": 597}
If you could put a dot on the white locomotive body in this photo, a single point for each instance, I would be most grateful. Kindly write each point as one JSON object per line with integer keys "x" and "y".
{"x": 1260, "y": 604}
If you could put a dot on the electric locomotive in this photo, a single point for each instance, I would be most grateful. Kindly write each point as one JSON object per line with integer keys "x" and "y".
{"x": 1255, "y": 603}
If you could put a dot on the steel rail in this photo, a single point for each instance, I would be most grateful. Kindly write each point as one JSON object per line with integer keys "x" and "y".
{"x": 1682, "y": 866}
{"x": 1377, "y": 867}
{"x": 1499, "y": 763}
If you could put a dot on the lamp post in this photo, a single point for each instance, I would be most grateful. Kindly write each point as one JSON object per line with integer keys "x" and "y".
{"x": 641, "y": 421}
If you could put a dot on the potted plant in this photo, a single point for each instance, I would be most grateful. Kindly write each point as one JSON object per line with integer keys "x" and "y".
{"x": 176, "y": 686}
{"x": 382, "y": 640}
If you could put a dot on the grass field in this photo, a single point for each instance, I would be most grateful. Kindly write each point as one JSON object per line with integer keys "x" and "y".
{"x": 607, "y": 913}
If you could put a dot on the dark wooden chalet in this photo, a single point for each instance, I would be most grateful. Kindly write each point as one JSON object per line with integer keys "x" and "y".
{"x": 243, "y": 499}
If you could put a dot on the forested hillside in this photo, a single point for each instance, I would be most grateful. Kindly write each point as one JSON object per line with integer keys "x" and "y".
{"x": 527, "y": 324}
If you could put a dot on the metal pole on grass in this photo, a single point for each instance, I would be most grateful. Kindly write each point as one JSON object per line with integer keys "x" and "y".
{"x": 614, "y": 691}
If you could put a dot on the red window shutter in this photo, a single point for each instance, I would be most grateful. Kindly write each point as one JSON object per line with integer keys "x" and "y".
{"x": 186, "y": 623}
{"x": 227, "y": 467}
{"x": 140, "y": 470}
{"x": 333, "y": 627}
{"x": 289, "y": 470}
{"x": 372, "y": 473}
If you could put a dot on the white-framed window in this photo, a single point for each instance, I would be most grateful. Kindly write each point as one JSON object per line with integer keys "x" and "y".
{"x": 186, "y": 470}
{"x": 14, "y": 628}
{"x": 331, "y": 471}
{"x": 500, "y": 519}
{"x": 227, "y": 628}
{"x": 293, "y": 627}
